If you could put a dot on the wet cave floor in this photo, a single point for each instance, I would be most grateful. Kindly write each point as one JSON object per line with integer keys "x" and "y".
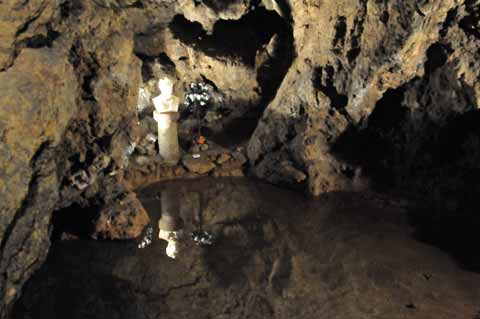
{"x": 277, "y": 254}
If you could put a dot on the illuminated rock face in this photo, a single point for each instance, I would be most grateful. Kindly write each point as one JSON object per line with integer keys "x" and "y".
{"x": 166, "y": 115}
{"x": 70, "y": 74}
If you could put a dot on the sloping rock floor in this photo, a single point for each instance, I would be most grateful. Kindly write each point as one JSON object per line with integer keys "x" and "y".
{"x": 277, "y": 255}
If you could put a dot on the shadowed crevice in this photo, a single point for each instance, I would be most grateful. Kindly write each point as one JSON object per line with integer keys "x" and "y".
{"x": 230, "y": 38}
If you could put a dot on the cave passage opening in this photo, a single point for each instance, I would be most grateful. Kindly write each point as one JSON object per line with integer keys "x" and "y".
{"x": 242, "y": 40}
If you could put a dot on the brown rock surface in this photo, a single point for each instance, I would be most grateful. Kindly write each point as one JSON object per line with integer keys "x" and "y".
{"x": 58, "y": 86}
{"x": 342, "y": 256}
{"x": 422, "y": 137}
{"x": 243, "y": 58}
{"x": 21, "y": 22}
{"x": 200, "y": 165}
{"x": 124, "y": 219}
{"x": 347, "y": 55}
{"x": 209, "y": 12}
{"x": 390, "y": 86}
{"x": 37, "y": 103}
{"x": 222, "y": 158}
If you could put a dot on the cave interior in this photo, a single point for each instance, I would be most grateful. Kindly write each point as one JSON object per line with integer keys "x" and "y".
{"x": 328, "y": 165}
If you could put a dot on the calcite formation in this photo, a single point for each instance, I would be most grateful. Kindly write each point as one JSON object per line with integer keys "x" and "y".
{"x": 166, "y": 115}
{"x": 338, "y": 94}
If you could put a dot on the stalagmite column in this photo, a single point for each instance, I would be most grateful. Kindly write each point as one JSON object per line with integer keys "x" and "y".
{"x": 171, "y": 224}
{"x": 166, "y": 115}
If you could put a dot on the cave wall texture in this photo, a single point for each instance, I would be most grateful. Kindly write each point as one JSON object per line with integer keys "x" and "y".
{"x": 350, "y": 93}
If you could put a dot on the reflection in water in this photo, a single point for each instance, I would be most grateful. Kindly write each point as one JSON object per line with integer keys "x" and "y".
{"x": 147, "y": 238}
{"x": 171, "y": 223}
{"x": 277, "y": 254}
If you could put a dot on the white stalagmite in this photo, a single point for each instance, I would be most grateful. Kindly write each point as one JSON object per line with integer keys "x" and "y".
{"x": 173, "y": 239}
{"x": 166, "y": 115}
{"x": 171, "y": 224}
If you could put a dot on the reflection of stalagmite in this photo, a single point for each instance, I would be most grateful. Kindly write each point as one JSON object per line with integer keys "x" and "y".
{"x": 166, "y": 115}
{"x": 170, "y": 224}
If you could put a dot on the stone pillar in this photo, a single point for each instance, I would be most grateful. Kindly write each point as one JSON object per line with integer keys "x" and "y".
{"x": 171, "y": 224}
{"x": 166, "y": 115}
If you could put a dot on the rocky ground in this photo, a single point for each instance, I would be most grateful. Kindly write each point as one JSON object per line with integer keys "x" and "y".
{"x": 276, "y": 255}
{"x": 317, "y": 96}
{"x": 214, "y": 160}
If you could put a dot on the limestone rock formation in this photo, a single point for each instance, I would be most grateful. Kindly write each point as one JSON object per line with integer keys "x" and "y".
{"x": 340, "y": 95}
{"x": 243, "y": 60}
{"x": 22, "y": 24}
{"x": 64, "y": 97}
{"x": 209, "y": 12}
{"x": 123, "y": 219}
{"x": 348, "y": 55}
{"x": 37, "y": 103}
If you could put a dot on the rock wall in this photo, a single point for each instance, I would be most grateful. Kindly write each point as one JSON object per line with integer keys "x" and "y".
{"x": 349, "y": 53}
{"x": 38, "y": 101}
{"x": 331, "y": 80}
{"x": 423, "y": 138}
{"x": 68, "y": 81}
